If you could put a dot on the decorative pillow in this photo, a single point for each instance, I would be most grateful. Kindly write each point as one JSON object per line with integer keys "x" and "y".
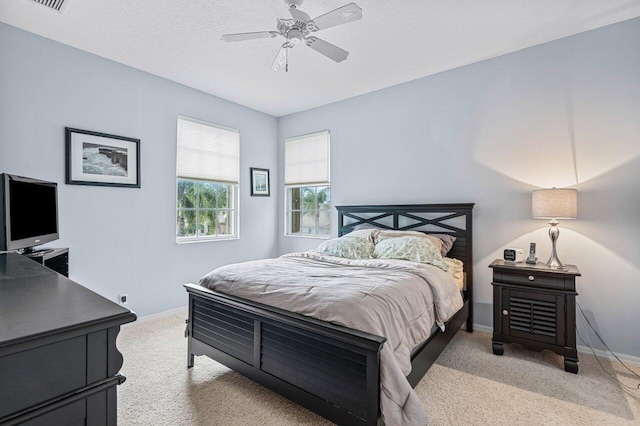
{"x": 456, "y": 270}
{"x": 385, "y": 235}
{"x": 447, "y": 242}
{"x": 410, "y": 247}
{"x": 368, "y": 234}
{"x": 443, "y": 242}
{"x": 349, "y": 247}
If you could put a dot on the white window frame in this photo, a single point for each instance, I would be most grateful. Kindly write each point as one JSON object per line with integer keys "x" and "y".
{"x": 233, "y": 199}
{"x": 288, "y": 191}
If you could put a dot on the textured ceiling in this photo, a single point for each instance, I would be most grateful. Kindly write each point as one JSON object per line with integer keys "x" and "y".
{"x": 396, "y": 41}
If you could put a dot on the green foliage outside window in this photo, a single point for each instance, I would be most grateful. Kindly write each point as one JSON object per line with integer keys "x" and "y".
{"x": 205, "y": 209}
{"x": 309, "y": 210}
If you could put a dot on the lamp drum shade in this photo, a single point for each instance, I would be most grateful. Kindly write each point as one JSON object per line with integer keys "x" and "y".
{"x": 555, "y": 203}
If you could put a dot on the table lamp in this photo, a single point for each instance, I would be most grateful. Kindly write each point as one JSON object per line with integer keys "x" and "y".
{"x": 554, "y": 204}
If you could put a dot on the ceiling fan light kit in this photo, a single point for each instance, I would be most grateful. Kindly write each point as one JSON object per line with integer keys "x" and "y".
{"x": 299, "y": 29}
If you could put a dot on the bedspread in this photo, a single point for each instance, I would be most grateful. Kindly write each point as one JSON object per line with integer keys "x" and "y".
{"x": 396, "y": 299}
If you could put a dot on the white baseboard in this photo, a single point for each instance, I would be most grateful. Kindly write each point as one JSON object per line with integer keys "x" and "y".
{"x": 159, "y": 315}
{"x": 604, "y": 354}
{"x": 484, "y": 328}
{"x": 582, "y": 349}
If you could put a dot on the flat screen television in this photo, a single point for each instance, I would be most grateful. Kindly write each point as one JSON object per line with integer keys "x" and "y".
{"x": 29, "y": 209}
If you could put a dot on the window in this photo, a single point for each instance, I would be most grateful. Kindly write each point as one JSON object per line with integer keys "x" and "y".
{"x": 207, "y": 181}
{"x": 307, "y": 185}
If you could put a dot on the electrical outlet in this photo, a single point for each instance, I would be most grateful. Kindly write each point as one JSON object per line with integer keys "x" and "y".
{"x": 123, "y": 299}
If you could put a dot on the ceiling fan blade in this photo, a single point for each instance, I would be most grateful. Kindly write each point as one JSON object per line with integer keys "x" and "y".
{"x": 280, "y": 62}
{"x": 327, "y": 49}
{"x": 299, "y": 15}
{"x": 250, "y": 36}
{"x": 339, "y": 16}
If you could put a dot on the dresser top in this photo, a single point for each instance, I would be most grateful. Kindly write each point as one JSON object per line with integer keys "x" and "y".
{"x": 36, "y": 301}
{"x": 538, "y": 267}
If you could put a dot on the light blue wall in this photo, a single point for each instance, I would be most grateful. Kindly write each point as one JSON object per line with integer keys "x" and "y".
{"x": 566, "y": 113}
{"x": 123, "y": 240}
{"x": 488, "y": 133}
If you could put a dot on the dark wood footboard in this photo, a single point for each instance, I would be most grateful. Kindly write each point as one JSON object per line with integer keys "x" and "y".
{"x": 332, "y": 370}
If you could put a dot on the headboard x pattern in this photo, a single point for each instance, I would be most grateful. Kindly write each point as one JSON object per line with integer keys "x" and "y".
{"x": 439, "y": 213}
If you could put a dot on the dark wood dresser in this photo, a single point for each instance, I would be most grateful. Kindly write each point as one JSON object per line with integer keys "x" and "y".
{"x": 535, "y": 306}
{"x": 59, "y": 364}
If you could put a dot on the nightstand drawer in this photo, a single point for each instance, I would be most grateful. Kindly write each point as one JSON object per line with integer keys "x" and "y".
{"x": 531, "y": 279}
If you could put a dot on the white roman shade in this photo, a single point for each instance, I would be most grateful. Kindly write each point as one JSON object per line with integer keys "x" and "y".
{"x": 207, "y": 151}
{"x": 306, "y": 159}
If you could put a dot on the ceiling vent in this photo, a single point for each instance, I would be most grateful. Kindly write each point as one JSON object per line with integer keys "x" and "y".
{"x": 58, "y": 5}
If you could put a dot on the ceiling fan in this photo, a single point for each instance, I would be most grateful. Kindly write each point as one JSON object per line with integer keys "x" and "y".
{"x": 300, "y": 28}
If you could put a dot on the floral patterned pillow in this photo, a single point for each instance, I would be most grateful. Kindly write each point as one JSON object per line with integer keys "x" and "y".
{"x": 415, "y": 249}
{"x": 369, "y": 234}
{"x": 385, "y": 235}
{"x": 349, "y": 247}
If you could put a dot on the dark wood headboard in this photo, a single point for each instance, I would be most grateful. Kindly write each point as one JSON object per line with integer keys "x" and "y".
{"x": 452, "y": 219}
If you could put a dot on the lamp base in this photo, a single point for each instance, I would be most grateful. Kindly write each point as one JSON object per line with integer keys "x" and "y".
{"x": 554, "y": 233}
{"x": 554, "y": 263}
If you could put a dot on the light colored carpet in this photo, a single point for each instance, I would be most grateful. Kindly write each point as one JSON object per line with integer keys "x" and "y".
{"x": 467, "y": 385}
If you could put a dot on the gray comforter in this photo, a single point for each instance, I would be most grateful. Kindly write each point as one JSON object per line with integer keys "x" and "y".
{"x": 397, "y": 299}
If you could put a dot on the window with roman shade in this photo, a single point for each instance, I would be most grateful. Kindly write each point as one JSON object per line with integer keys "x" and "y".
{"x": 307, "y": 185}
{"x": 208, "y": 163}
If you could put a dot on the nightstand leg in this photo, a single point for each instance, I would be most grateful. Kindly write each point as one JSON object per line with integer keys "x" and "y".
{"x": 498, "y": 349}
{"x": 571, "y": 365}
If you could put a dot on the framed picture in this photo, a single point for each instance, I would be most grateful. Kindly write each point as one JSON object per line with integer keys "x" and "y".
{"x": 99, "y": 159}
{"x": 259, "y": 182}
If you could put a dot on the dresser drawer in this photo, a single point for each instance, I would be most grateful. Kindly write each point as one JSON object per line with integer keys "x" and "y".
{"x": 532, "y": 279}
{"x": 74, "y": 414}
{"x": 43, "y": 373}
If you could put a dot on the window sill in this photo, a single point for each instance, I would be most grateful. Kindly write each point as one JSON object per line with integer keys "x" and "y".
{"x": 204, "y": 240}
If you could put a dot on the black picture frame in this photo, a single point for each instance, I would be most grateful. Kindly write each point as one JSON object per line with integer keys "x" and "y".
{"x": 260, "y": 183}
{"x": 101, "y": 159}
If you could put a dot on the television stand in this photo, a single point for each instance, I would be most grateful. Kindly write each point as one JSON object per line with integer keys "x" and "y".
{"x": 56, "y": 259}
{"x": 31, "y": 252}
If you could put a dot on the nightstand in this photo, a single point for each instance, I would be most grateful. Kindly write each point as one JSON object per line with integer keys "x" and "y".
{"x": 535, "y": 306}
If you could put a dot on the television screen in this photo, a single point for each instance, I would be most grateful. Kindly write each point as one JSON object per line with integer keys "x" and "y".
{"x": 33, "y": 210}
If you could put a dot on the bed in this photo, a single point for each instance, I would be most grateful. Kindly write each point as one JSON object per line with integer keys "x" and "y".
{"x": 330, "y": 369}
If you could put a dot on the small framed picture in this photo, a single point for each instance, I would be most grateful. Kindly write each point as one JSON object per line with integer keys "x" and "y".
{"x": 99, "y": 159}
{"x": 259, "y": 182}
